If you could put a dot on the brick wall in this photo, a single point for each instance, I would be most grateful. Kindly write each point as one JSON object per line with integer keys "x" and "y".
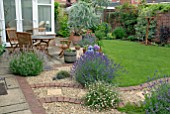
{"x": 163, "y": 20}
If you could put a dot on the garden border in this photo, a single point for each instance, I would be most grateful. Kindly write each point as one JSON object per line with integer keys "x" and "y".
{"x": 130, "y": 88}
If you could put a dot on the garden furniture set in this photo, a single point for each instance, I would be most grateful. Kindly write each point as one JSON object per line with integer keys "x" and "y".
{"x": 39, "y": 39}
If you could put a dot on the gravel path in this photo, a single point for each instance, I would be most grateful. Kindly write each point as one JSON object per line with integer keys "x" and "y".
{"x": 67, "y": 108}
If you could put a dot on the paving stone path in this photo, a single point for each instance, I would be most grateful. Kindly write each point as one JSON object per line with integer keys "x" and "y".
{"x": 14, "y": 102}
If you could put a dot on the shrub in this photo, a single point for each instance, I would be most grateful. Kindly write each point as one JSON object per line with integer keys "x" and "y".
{"x": 132, "y": 38}
{"x": 26, "y": 64}
{"x": 119, "y": 32}
{"x": 88, "y": 39}
{"x": 157, "y": 101}
{"x": 61, "y": 75}
{"x": 92, "y": 67}
{"x": 62, "y": 23}
{"x": 101, "y": 96}
{"x": 102, "y": 30}
{"x": 100, "y": 34}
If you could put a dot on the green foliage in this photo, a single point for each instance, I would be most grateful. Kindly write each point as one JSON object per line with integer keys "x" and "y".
{"x": 100, "y": 34}
{"x": 101, "y": 96}
{"x": 111, "y": 36}
{"x": 97, "y": 3}
{"x": 82, "y": 16}
{"x": 157, "y": 101}
{"x": 2, "y": 49}
{"x": 102, "y": 30}
{"x": 88, "y": 39}
{"x": 63, "y": 29}
{"x": 56, "y": 12}
{"x": 132, "y": 109}
{"x": 148, "y": 11}
{"x": 132, "y": 38}
{"x": 119, "y": 32}
{"x": 126, "y": 15}
{"x": 26, "y": 64}
{"x": 62, "y": 74}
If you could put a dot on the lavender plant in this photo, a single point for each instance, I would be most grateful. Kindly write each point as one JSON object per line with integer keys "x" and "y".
{"x": 101, "y": 96}
{"x": 157, "y": 101}
{"x": 88, "y": 39}
{"x": 26, "y": 64}
{"x": 92, "y": 67}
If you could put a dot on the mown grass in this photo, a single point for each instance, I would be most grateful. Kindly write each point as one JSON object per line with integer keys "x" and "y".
{"x": 138, "y": 60}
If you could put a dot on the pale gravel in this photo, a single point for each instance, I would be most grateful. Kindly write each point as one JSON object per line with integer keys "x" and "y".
{"x": 66, "y": 92}
{"x": 68, "y": 108}
{"x": 47, "y": 77}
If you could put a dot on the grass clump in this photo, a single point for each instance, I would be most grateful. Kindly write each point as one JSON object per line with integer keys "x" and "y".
{"x": 61, "y": 75}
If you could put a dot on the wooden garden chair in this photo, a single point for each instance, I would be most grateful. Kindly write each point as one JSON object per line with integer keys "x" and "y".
{"x": 11, "y": 32}
{"x": 25, "y": 41}
{"x": 64, "y": 44}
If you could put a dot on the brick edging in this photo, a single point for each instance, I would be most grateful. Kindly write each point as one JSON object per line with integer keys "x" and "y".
{"x": 34, "y": 105}
{"x": 68, "y": 100}
{"x": 60, "y": 99}
{"x": 79, "y": 86}
{"x": 71, "y": 85}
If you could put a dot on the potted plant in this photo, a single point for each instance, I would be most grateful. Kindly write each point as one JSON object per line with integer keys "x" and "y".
{"x": 70, "y": 56}
{"x": 81, "y": 17}
{"x": 77, "y": 47}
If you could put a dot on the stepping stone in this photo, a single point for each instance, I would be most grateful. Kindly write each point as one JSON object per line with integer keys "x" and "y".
{"x": 14, "y": 96}
{"x": 23, "y": 112}
{"x": 54, "y": 92}
{"x": 14, "y": 108}
{"x": 81, "y": 94}
{"x": 11, "y": 82}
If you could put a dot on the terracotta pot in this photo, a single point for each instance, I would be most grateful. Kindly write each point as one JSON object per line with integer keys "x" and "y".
{"x": 77, "y": 47}
{"x": 76, "y": 39}
{"x": 84, "y": 50}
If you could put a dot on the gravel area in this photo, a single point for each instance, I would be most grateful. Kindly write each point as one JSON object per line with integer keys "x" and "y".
{"x": 68, "y": 108}
{"x": 131, "y": 96}
{"x": 46, "y": 77}
{"x": 66, "y": 92}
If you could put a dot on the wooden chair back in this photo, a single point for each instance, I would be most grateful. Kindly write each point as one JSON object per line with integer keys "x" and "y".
{"x": 24, "y": 40}
{"x": 11, "y": 32}
{"x": 39, "y": 31}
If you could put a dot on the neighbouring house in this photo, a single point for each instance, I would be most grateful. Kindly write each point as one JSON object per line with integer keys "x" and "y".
{"x": 24, "y": 15}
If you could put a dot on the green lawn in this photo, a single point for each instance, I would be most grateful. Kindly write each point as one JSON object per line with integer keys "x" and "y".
{"x": 138, "y": 60}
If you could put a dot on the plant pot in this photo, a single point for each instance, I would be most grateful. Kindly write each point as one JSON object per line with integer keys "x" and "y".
{"x": 76, "y": 39}
{"x": 84, "y": 50}
{"x": 77, "y": 47}
{"x": 70, "y": 57}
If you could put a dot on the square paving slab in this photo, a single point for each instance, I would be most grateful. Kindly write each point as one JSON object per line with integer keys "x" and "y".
{"x": 14, "y": 96}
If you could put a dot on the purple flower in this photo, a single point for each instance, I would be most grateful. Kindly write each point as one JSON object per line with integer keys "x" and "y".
{"x": 96, "y": 47}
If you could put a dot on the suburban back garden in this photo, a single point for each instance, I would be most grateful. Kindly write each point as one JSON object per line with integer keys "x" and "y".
{"x": 122, "y": 60}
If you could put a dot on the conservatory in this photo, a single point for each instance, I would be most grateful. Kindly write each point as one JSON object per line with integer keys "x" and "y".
{"x": 24, "y": 15}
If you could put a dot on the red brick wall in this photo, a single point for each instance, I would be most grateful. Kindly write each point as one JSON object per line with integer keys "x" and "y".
{"x": 63, "y": 1}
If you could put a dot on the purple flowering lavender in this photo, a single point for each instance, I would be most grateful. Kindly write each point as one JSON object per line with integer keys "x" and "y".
{"x": 92, "y": 67}
{"x": 96, "y": 47}
{"x": 157, "y": 101}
